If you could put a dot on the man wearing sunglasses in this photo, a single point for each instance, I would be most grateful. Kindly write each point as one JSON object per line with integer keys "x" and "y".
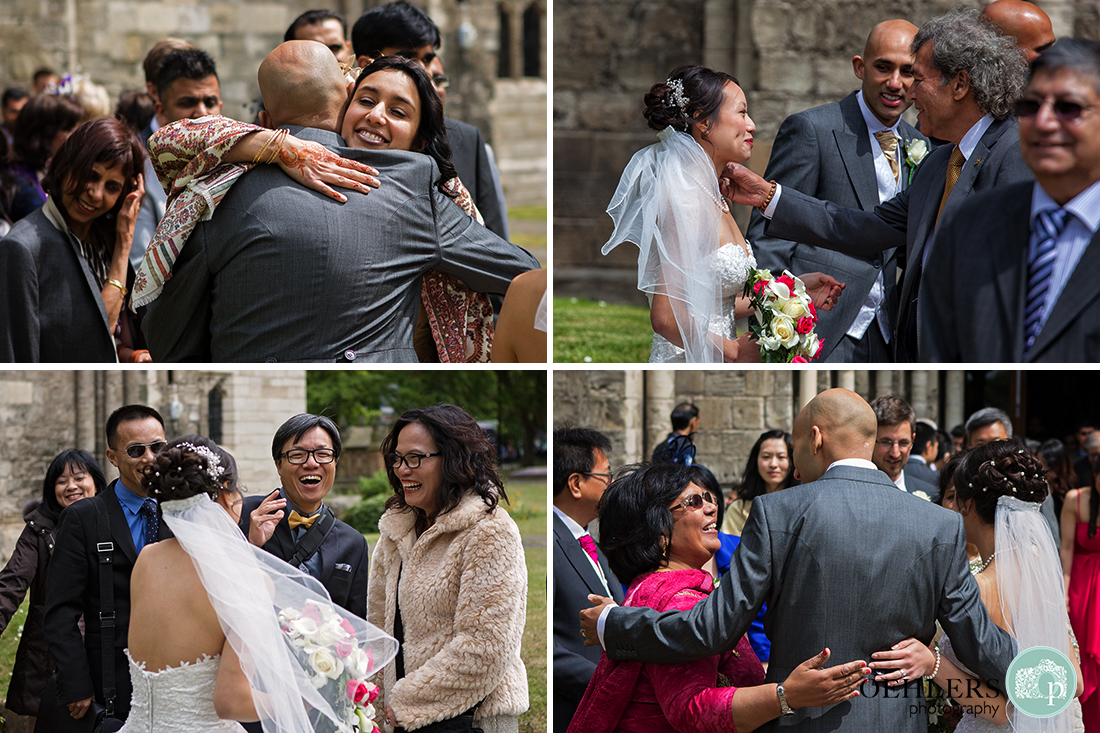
{"x": 1035, "y": 243}
{"x": 134, "y": 434}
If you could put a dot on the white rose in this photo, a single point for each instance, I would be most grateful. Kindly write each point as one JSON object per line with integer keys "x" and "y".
{"x": 357, "y": 662}
{"x": 915, "y": 151}
{"x": 922, "y": 495}
{"x": 810, "y": 343}
{"x": 794, "y": 309}
{"x": 782, "y": 329}
{"x": 330, "y": 632}
{"x": 325, "y": 664}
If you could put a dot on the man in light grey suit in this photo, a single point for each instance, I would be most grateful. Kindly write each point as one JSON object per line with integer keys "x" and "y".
{"x": 835, "y": 559}
{"x": 283, "y": 273}
{"x": 855, "y": 153}
{"x": 966, "y": 80}
{"x": 1013, "y": 273}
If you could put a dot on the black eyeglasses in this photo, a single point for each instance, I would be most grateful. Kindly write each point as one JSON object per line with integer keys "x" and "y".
{"x": 298, "y": 456}
{"x": 412, "y": 460}
{"x": 607, "y": 476}
{"x": 441, "y": 81}
{"x": 137, "y": 450}
{"x": 1063, "y": 110}
{"x": 695, "y": 501}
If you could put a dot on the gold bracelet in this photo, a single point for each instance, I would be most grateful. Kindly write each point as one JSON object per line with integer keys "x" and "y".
{"x": 117, "y": 284}
{"x": 276, "y": 150}
{"x": 256, "y": 158}
{"x": 768, "y": 200}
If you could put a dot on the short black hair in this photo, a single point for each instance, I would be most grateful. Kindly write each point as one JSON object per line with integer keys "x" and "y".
{"x": 13, "y": 94}
{"x": 573, "y": 452}
{"x": 925, "y": 434}
{"x": 77, "y": 459}
{"x": 129, "y": 413}
{"x": 394, "y": 25}
{"x": 194, "y": 64}
{"x": 314, "y": 17}
{"x": 298, "y": 426}
{"x": 634, "y": 516}
{"x": 985, "y": 417}
{"x": 683, "y": 414}
{"x": 958, "y": 432}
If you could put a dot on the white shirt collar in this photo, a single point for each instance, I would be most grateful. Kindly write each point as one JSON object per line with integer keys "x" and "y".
{"x": 855, "y": 462}
{"x": 918, "y": 458}
{"x": 1085, "y": 205}
{"x": 974, "y": 135}
{"x": 874, "y": 124}
{"x": 577, "y": 530}
{"x": 900, "y": 481}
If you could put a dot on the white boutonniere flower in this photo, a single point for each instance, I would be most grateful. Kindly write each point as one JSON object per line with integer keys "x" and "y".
{"x": 915, "y": 150}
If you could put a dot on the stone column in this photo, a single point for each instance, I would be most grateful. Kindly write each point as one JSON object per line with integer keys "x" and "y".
{"x": 846, "y": 379}
{"x": 918, "y": 394}
{"x": 863, "y": 382}
{"x": 884, "y": 382}
{"x": 954, "y": 404}
{"x": 84, "y": 424}
{"x": 660, "y": 398}
{"x": 807, "y": 386}
{"x": 634, "y": 399}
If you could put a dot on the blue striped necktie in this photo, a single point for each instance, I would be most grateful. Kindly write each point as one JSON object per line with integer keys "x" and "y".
{"x": 1040, "y": 266}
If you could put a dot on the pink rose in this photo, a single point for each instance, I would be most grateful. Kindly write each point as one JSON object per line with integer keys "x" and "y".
{"x": 356, "y": 691}
{"x": 799, "y": 360}
{"x": 343, "y": 647}
{"x": 786, "y": 280}
{"x": 758, "y": 288}
{"x": 370, "y": 661}
{"x": 805, "y": 324}
{"x": 813, "y": 311}
{"x": 310, "y": 612}
{"x": 346, "y": 626}
{"x": 372, "y": 695}
{"x": 820, "y": 346}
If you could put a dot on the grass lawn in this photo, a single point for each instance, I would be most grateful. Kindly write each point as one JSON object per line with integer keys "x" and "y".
{"x": 9, "y": 642}
{"x": 527, "y": 227}
{"x": 593, "y": 331}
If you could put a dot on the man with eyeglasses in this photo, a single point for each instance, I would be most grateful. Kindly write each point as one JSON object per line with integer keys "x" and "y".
{"x": 581, "y": 475}
{"x": 1017, "y": 275}
{"x": 967, "y": 77}
{"x": 293, "y": 522}
{"x": 134, "y": 434}
{"x": 897, "y": 427}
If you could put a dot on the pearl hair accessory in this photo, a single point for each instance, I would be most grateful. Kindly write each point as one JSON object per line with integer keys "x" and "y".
{"x": 676, "y": 87}
{"x": 213, "y": 464}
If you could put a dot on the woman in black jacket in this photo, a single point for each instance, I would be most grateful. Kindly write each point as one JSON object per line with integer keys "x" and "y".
{"x": 73, "y": 475}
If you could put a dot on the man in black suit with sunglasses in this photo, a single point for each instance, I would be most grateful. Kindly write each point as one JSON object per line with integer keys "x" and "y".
{"x": 1012, "y": 272}
{"x": 134, "y": 435}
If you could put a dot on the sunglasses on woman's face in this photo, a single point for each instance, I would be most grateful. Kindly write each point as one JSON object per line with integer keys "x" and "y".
{"x": 695, "y": 501}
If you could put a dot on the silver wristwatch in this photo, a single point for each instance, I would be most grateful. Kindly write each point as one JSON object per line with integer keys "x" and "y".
{"x": 784, "y": 708}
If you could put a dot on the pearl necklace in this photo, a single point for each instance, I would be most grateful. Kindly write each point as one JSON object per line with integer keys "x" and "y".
{"x": 719, "y": 202}
{"x": 986, "y": 565}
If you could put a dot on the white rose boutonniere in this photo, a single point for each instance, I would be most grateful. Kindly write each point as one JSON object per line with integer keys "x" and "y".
{"x": 915, "y": 150}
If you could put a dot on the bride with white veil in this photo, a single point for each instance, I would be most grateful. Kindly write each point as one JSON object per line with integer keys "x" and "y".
{"x": 998, "y": 488}
{"x": 222, "y": 631}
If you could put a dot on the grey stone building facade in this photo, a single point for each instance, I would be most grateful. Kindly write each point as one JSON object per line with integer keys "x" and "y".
{"x": 789, "y": 55}
{"x": 494, "y": 51}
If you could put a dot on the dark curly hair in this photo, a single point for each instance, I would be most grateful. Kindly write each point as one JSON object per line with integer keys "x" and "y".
{"x": 180, "y": 472}
{"x": 996, "y": 469}
{"x": 701, "y": 86}
{"x": 469, "y": 461}
{"x": 634, "y": 516}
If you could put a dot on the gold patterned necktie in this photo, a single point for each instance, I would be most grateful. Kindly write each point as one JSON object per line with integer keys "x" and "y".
{"x": 889, "y": 144}
{"x": 297, "y": 519}
{"x": 954, "y": 168}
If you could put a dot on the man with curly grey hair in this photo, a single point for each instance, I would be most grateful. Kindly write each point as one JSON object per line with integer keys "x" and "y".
{"x": 966, "y": 78}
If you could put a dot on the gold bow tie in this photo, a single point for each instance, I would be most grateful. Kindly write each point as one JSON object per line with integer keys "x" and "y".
{"x": 297, "y": 520}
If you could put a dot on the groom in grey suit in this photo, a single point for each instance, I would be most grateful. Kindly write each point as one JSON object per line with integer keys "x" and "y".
{"x": 966, "y": 80}
{"x": 284, "y": 273}
{"x": 846, "y": 562}
{"x": 853, "y": 153}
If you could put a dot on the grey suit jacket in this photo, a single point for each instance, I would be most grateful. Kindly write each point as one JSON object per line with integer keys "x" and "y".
{"x": 283, "y": 273}
{"x": 920, "y": 471}
{"x": 973, "y": 298}
{"x": 907, "y": 220}
{"x": 825, "y": 152}
{"x": 834, "y": 576}
{"x": 574, "y": 663}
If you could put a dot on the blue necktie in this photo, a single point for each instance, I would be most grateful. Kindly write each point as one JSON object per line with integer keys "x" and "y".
{"x": 149, "y": 511}
{"x": 1040, "y": 267}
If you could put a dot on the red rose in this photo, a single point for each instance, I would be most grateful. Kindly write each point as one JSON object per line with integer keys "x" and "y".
{"x": 356, "y": 690}
{"x": 786, "y": 280}
{"x": 799, "y": 360}
{"x": 758, "y": 288}
{"x": 813, "y": 311}
{"x": 820, "y": 346}
{"x": 805, "y": 325}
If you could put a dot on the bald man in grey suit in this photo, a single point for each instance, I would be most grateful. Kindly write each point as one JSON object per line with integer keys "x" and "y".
{"x": 846, "y": 562}
{"x": 283, "y": 273}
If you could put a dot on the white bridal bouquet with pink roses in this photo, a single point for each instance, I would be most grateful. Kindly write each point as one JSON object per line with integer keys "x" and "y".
{"x": 785, "y": 318}
{"x": 327, "y": 645}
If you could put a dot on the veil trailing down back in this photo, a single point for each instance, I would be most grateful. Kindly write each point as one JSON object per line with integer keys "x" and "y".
{"x": 307, "y": 660}
{"x": 668, "y": 204}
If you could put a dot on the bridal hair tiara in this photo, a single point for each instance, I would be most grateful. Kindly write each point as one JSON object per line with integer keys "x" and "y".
{"x": 676, "y": 93}
{"x": 993, "y": 464}
{"x": 213, "y": 463}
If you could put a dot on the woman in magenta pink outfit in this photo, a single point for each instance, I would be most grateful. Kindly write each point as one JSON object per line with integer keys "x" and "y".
{"x": 1081, "y": 566}
{"x": 658, "y": 528}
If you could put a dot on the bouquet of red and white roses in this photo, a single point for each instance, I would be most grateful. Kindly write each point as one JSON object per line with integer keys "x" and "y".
{"x": 785, "y": 318}
{"x": 327, "y": 645}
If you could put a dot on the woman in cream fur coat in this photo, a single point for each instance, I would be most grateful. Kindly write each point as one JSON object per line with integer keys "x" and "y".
{"x": 451, "y": 561}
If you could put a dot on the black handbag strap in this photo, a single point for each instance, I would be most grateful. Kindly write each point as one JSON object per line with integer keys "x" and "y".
{"x": 104, "y": 549}
{"x": 314, "y": 536}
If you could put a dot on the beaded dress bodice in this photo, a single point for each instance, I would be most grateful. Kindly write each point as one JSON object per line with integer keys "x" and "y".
{"x": 176, "y": 699}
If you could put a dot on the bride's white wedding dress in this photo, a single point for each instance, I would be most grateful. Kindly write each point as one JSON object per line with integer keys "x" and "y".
{"x": 176, "y": 699}
{"x": 970, "y": 723}
{"x": 730, "y": 265}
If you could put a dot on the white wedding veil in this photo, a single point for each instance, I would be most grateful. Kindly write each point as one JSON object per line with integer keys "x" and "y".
{"x": 249, "y": 588}
{"x": 1032, "y": 592}
{"x": 667, "y": 204}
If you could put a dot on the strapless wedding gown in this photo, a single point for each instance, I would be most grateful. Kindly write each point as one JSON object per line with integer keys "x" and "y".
{"x": 176, "y": 699}
{"x": 731, "y": 264}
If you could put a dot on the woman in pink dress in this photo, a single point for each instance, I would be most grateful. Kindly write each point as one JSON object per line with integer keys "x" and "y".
{"x": 658, "y": 528}
{"x": 1081, "y": 565}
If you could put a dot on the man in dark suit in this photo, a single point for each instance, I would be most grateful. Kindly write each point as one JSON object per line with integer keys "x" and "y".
{"x": 897, "y": 428}
{"x": 284, "y": 273}
{"x": 581, "y": 474}
{"x": 134, "y": 434}
{"x": 293, "y": 524}
{"x": 1013, "y": 277}
{"x": 857, "y": 153}
{"x": 854, "y": 591}
{"x": 926, "y": 447}
{"x": 966, "y": 80}
{"x": 402, "y": 29}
